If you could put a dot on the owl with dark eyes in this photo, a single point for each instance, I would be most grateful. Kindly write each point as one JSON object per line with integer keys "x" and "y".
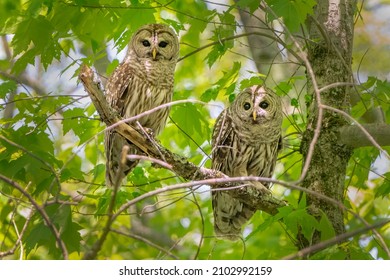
{"x": 246, "y": 141}
{"x": 143, "y": 81}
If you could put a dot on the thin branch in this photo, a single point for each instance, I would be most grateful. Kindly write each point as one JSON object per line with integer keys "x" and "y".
{"x": 92, "y": 253}
{"x": 24, "y": 80}
{"x": 223, "y": 40}
{"x": 146, "y": 241}
{"x": 20, "y": 236}
{"x": 43, "y": 214}
{"x": 361, "y": 127}
{"x": 156, "y": 161}
{"x": 354, "y": 136}
{"x": 335, "y": 240}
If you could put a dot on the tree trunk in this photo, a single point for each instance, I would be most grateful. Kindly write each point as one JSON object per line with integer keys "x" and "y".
{"x": 330, "y": 56}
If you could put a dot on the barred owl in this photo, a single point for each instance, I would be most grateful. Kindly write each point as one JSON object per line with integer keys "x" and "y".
{"x": 246, "y": 140}
{"x": 143, "y": 81}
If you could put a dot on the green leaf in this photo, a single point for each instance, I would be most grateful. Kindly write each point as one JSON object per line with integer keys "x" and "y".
{"x": 326, "y": 228}
{"x": 284, "y": 87}
{"x": 7, "y": 87}
{"x": 82, "y": 126}
{"x": 40, "y": 235}
{"x": 138, "y": 176}
{"x": 177, "y": 26}
{"x": 300, "y": 219}
{"x": 103, "y": 203}
{"x": 99, "y": 172}
{"x": 111, "y": 67}
{"x": 37, "y": 30}
{"x": 210, "y": 94}
{"x": 27, "y": 58}
{"x": 220, "y": 33}
{"x": 226, "y": 84}
{"x": 332, "y": 253}
{"x": 383, "y": 189}
{"x": 72, "y": 119}
{"x": 190, "y": 119}
{"x": 294, "y": 102}
{"x": 51, "y": 51}
{"x": 252, "y": 81}
{"x": 253, "y": 5}
{"x": 294, "y": 13}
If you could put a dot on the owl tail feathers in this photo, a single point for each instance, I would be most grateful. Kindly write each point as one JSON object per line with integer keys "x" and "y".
{"x": 112, "y": 172}
{"x": 229, "y": 216}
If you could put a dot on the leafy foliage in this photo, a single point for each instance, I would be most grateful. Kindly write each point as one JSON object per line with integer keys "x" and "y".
{"x": 51, "y": 139}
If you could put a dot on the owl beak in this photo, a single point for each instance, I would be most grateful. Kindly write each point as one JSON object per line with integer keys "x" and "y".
{"x": 154, "y": 53}
{"x": 254, "y": 115}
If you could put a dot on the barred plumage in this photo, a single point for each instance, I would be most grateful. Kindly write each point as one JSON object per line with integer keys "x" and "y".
{"x": 246, "y": 140}
{"x": 143, "y": 81}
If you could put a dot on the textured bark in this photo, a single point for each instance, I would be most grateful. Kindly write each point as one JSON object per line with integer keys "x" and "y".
{"x": 353, "y": 136}
{"x": 330, "y": 55}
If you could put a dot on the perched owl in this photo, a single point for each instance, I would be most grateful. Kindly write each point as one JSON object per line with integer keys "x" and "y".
{"x": 246, "y": 140}
{"x": 143, "y": 81}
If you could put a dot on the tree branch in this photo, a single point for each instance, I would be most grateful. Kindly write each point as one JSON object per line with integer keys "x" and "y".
{"x": 335, "y": 240}
{"x": 43, "y": 214}
{"x": 180, "y": 165}
{"x": 354, "y": 136}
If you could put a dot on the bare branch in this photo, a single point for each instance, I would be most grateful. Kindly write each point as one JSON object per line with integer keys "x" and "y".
{"x": 335, "y": 240}
{"x": 223, "y": 40}
{"x": 361, "y": 127}
{"x": 24, "y": 80}
{"x": 354, "y": 136}
{"x": 156, "y": 161}
{"x": 20, "y": 236}
{"x": 146, "y": 241}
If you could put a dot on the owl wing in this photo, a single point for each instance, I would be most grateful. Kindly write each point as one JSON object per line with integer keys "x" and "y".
{"x": 117, "y": 89}
{"x": 221, "y": 140}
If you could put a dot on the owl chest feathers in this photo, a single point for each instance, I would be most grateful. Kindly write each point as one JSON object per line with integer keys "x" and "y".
{"x": 249, "y": 150}
{"x": 256, "y": 159}
{"x": 145, "y": 85}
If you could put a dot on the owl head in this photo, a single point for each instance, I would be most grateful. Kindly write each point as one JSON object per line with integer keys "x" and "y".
{"x": 258, "y": 106}
{"x": 155, "y": 42}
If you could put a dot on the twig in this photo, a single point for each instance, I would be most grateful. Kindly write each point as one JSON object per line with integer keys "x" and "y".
{"x": 146, "y": 241}
{"x": 335, "y": 240}
{"x": 20, "y": 236}
{"x": 157, "y": 161}
{"x": 223, "y": 40}
{"x": 43, "y": 214}
{"x": 92, "y": 253}
{"x": 361, "y": 127}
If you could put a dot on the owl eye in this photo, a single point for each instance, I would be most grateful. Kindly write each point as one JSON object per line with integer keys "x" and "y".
{"x": 264, "y": 105}
{"x": 163, "y": 44}
{"x": 146, "y": 43}
{"x": 247, "y": 106}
